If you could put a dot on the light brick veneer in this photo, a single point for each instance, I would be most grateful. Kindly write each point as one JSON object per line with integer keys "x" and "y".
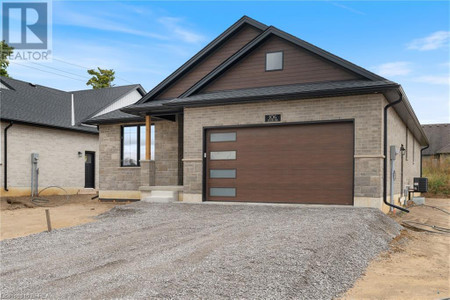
{"x": 59, "y": 162}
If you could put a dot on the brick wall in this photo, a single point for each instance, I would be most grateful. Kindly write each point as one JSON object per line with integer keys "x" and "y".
{"x": 113, "y": 177}
{"x": 365, "y": 109}
{"x": 411, "y": 164}
{"x": 59, "y": 162}
{"x": 166, "y": 153}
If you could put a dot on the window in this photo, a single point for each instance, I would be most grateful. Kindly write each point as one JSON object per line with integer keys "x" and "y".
{"x": 222, "y": 192}
{"x": 274, "y": 61}
{"x": 223, "y": 137}
{"x": 133, "y": 145}
{"x": 223, "y": 155}
{"x": 219, "y": 173}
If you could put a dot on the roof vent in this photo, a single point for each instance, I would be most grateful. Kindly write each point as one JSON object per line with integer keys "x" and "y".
{"x": 32, "y": 84}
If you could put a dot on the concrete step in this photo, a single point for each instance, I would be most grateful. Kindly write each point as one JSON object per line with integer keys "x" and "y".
{"x": 160, "y": 199}
{"x": 87, "y": 191}
{"x": 160, "y": 193}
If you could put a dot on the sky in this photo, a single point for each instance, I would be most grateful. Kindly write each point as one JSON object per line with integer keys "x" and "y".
{"x": 145, "y": 41}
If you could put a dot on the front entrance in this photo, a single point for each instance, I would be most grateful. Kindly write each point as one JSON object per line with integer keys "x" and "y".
{"x": 89, "y": 169}
{"x": 291, "y": 163}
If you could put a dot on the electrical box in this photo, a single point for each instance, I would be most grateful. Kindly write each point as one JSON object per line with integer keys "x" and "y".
{"x": 34, "y": 158}
{"x": 420, "y": 184}
{"x": 393, "y": 152}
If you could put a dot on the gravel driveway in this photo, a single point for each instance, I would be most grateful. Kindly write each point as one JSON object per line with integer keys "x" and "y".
{"x": 206, "y": 251}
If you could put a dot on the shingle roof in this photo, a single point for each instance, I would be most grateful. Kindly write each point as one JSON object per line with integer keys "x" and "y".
{"x": 40, "y": 105}
{"x": 90, "y": 102}
{"x": 113, "y": 117}
{"x": 263, "y": 93}
{"x": 283, "y": 91}
{"x": 439, "y": 137}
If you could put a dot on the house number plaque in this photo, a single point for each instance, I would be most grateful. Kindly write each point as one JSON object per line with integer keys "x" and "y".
{"x": 273, "y": 118}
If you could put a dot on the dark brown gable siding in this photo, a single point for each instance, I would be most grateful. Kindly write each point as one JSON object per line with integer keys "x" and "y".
{"x": 236, "y": 42}
{"x": 300, "y": 66}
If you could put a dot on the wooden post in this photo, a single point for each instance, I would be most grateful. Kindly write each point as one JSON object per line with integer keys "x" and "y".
{"x": 148, "y": 137}
{"x": 49, "y": 224}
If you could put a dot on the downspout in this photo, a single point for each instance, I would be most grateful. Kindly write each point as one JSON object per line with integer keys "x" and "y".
{"x": 385, "y": 155}
{"x": 5, "y": 155}
{"x": 421, "y": 155}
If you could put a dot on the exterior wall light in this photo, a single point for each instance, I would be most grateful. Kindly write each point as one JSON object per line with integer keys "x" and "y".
{"x": 80, "y": 154}
{"x": 402, "y": 150}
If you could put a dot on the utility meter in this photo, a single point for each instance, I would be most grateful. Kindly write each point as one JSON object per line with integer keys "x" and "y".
{"x": 34, "y": 158}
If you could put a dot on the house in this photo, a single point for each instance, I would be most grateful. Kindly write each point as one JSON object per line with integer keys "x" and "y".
{"x": 439, "y": 150}
{"x": 259, "y": 115}
{"x": 49, "y": 123}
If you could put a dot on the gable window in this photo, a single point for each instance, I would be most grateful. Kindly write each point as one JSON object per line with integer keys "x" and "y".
{"x": 274, "y": 61}
{"x": 133, "y": 145}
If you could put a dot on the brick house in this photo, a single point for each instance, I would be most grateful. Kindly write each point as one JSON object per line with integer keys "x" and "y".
{"x": 259, "y": 115}
{"x": 49, "y": 122}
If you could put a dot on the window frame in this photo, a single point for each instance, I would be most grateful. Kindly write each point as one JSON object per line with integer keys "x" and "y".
{"x": 138, "y": 145}
{"x": 282, "y": 61}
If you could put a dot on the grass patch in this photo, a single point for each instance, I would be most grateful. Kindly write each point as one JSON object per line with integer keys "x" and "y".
{"x": 438, "y": 175}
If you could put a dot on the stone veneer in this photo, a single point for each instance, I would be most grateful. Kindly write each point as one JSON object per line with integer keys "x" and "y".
{"x": 123, "y": 182}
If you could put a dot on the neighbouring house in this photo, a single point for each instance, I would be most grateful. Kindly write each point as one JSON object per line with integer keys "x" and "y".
{"x": 49, "y": 122}
{"x": 259, "y": 115}
{"x": 439, "y": 150}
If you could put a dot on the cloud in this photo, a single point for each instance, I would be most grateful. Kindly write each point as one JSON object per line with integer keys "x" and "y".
{"x": 99, "y": 23}
{"x": 445, "y": 80}
{"x": 434, "y": 41}
{"x": 174, "y": 25}
{"x": 394, "y": 68}
{"x": 348, "y": 8}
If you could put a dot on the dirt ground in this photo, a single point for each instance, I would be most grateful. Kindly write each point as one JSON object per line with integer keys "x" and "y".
{"x": 20, "y": 217}
{"x": 417, "y": 265}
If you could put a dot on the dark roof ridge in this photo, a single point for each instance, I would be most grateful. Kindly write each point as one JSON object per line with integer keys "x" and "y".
{"x": 111, "y": 87}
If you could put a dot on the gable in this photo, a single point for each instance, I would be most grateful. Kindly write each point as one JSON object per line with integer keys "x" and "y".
{"x": 299, "y": 66}
{"x": 235, "y": 42}
{"x": 128, "y": 99}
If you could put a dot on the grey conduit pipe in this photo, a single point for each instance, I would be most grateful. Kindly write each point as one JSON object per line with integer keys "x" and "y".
{"x": 385, "y": 155}
{"x": 421, "y": 155}
{"x": 5, "y": 156}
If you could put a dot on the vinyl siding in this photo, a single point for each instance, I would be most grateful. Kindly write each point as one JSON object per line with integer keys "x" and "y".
{"x": 300, "y": 66}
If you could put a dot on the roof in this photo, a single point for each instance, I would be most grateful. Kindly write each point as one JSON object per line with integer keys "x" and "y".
{"x": 24, "y": 102}
{"x": 284, "y": 35}
{"x": 217, "y": 42}
{"x": 439, "y": 137}
{"x": 114, "y": 117}
{"x": 195, "y": 95}
{"x": 263, "y": 93}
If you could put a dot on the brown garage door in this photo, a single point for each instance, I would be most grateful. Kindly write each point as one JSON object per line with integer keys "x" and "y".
{"x": 307, "y": 163}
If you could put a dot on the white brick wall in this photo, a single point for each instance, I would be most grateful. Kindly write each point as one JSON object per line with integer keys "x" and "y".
{"x": 59, "y": 163}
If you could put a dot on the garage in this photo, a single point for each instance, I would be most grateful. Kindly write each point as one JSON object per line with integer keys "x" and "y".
{"x": 309, "y": 163}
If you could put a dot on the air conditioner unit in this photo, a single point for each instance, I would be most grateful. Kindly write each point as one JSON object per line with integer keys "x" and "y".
{"x": 420, "y": 184}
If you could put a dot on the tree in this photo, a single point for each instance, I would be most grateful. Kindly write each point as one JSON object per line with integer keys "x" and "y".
{"x": 101, "y": 79}
{"x": 5, "y": 51}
